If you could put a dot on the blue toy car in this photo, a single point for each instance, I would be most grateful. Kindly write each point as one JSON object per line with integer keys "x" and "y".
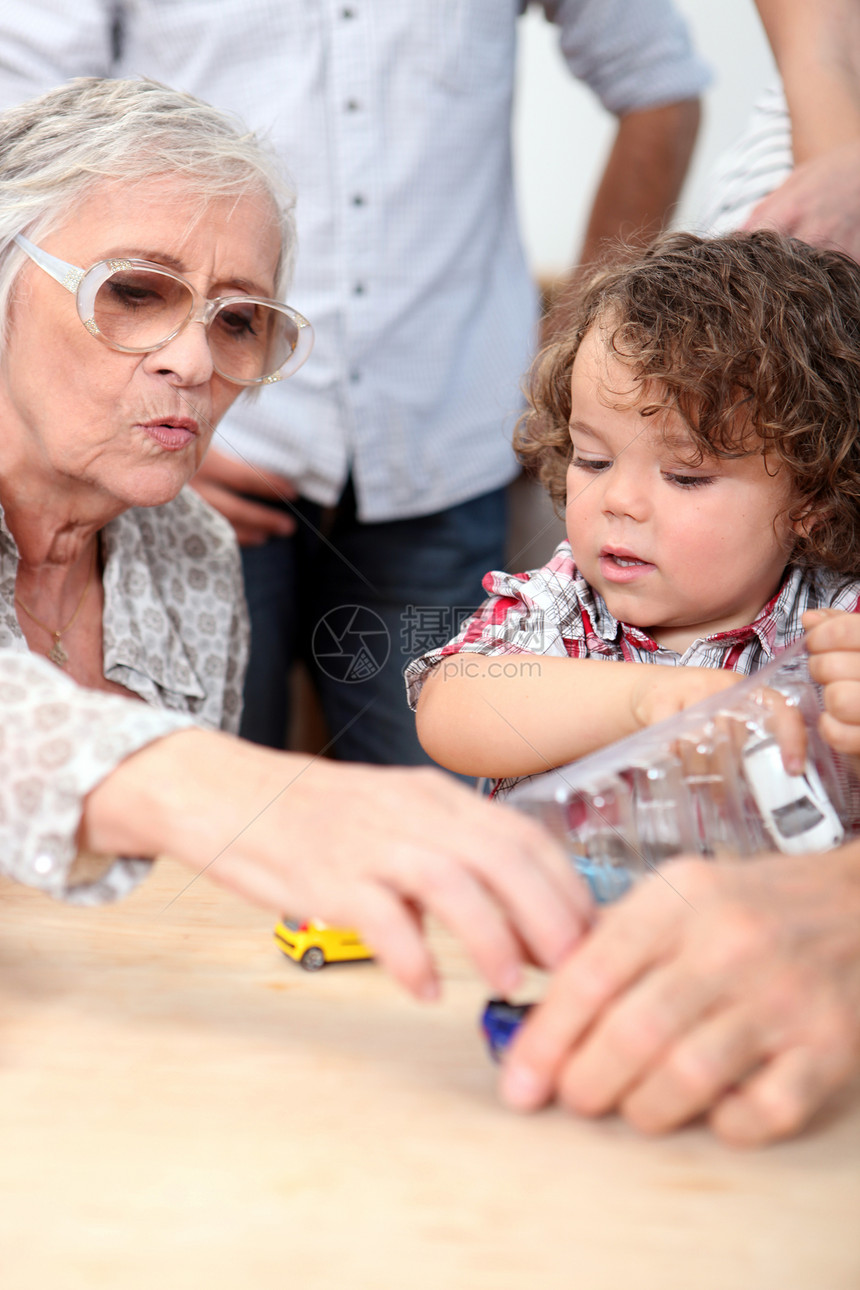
{"x": 500, "y": 1022}
{"x": 607, "y": 882}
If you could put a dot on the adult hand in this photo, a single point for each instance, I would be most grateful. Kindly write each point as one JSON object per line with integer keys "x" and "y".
{"x": 361, "y": 846}
{"x": 730, "y": 990}
{"x": 222, "y": 481}
{"x": 819, "y": 202}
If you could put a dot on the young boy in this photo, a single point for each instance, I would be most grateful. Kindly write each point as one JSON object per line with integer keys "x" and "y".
{"x": 699, "y": 418}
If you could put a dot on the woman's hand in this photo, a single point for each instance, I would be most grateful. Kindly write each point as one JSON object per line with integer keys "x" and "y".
{"x": 818, "y": 202}
{"x": 725, "y": 990}
{"x": 361, "y": 846}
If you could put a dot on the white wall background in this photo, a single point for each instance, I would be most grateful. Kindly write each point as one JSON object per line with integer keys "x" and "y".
{"x": 561, "y": 133}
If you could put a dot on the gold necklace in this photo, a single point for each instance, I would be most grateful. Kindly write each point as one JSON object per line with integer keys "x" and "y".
{"x": 57, "y": 654}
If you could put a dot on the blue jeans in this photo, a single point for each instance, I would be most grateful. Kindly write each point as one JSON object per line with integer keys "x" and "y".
{"x": 356, "y": 602}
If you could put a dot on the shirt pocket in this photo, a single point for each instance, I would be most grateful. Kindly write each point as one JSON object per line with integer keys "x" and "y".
{"x": 465, "y": 45}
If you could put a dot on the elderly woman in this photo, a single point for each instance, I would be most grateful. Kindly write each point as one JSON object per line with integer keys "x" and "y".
{"x": 144, "y": 244}
{"x": 133, "y": 247}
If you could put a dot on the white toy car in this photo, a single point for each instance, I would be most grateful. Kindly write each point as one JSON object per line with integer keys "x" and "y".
{"x": 795, "y": 809}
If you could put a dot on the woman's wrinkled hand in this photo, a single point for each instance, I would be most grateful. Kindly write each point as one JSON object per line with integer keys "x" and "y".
{"x": 369, "y": 847}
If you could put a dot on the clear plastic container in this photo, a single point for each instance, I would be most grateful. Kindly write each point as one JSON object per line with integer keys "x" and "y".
{"x": 708, "y": 782}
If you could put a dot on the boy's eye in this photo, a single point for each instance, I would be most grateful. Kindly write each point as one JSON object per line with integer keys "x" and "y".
{"x": 589, "y": 463}
{"x": 689, "y": 481}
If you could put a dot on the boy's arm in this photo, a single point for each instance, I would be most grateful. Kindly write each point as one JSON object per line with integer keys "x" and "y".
{"x": 518, "y": 714}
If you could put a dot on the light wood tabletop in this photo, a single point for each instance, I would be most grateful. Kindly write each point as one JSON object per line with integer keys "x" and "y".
{"x": 182, "y": 1107}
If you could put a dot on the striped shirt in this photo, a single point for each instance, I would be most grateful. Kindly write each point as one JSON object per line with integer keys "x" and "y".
{"x": 757, "y": 163}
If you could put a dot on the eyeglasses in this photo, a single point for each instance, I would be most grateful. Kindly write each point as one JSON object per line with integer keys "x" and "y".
{"x": 137, "y": 307}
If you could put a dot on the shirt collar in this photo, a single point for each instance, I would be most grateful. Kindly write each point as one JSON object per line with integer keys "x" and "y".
{"x": 609, "y": 629}
{"x": 770, "y": 626}
{"x": 131, "y": 591}
{"x": 133, "y": 595}
{"x": 8, "y": 545}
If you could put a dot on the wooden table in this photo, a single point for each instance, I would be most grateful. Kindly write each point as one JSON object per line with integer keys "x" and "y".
{"x": 184, "y": 1108}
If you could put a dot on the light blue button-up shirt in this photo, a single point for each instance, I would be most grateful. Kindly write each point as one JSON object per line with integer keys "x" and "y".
{"x": 394, "y": 119}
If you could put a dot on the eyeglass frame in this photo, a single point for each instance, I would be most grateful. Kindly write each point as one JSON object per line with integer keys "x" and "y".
{"x": 203, "y": 310}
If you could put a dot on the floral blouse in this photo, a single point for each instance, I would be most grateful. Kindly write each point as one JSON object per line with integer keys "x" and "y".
{"x": 175, "y": 632}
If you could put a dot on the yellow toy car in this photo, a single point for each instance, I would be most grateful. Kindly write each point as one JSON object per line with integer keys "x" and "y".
{"x": 314, "y": 944}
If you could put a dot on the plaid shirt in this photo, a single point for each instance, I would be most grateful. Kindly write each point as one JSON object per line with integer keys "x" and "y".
{"x": 554, "y": 611}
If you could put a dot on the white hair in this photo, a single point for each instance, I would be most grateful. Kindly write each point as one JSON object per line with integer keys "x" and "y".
{"x": 55, "y": 149}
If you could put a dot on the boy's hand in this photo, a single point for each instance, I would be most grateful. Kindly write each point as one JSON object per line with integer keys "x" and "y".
{"x": 662, "y": 692}
{"x": 671, "y": 691}
{"x": 833, "y": 642}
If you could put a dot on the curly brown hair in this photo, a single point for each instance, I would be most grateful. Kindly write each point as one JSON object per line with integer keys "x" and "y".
{"x": 754, "y": 340}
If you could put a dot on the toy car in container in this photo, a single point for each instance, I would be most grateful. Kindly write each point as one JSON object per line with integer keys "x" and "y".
{"x": 500, "y": 1021}
{"x": 709, "y": 781}
{"x": 313, "y": 945}
{"x": 795, "y": 809}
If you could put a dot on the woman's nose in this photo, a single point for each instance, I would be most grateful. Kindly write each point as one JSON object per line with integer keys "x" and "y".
{"x": 187, "y": 359}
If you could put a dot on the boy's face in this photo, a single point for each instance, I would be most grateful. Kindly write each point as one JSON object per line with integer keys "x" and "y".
{"x": 680, "y": 550}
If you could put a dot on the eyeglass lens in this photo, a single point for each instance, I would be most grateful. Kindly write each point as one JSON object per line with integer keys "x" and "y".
{"x": 139, "y": 309}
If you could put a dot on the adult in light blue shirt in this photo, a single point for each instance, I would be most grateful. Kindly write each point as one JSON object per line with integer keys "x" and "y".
{"x": 394, "y": 120}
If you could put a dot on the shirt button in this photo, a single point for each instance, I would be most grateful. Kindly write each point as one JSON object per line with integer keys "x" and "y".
{"x": 358, "y": 289}
{"x": 355, "y": 376}
{"x": 352, "y": 105}
{"x": 347, "y": 13}
{"x": 358, "y": 200}
{"x": 44, "y": 863}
